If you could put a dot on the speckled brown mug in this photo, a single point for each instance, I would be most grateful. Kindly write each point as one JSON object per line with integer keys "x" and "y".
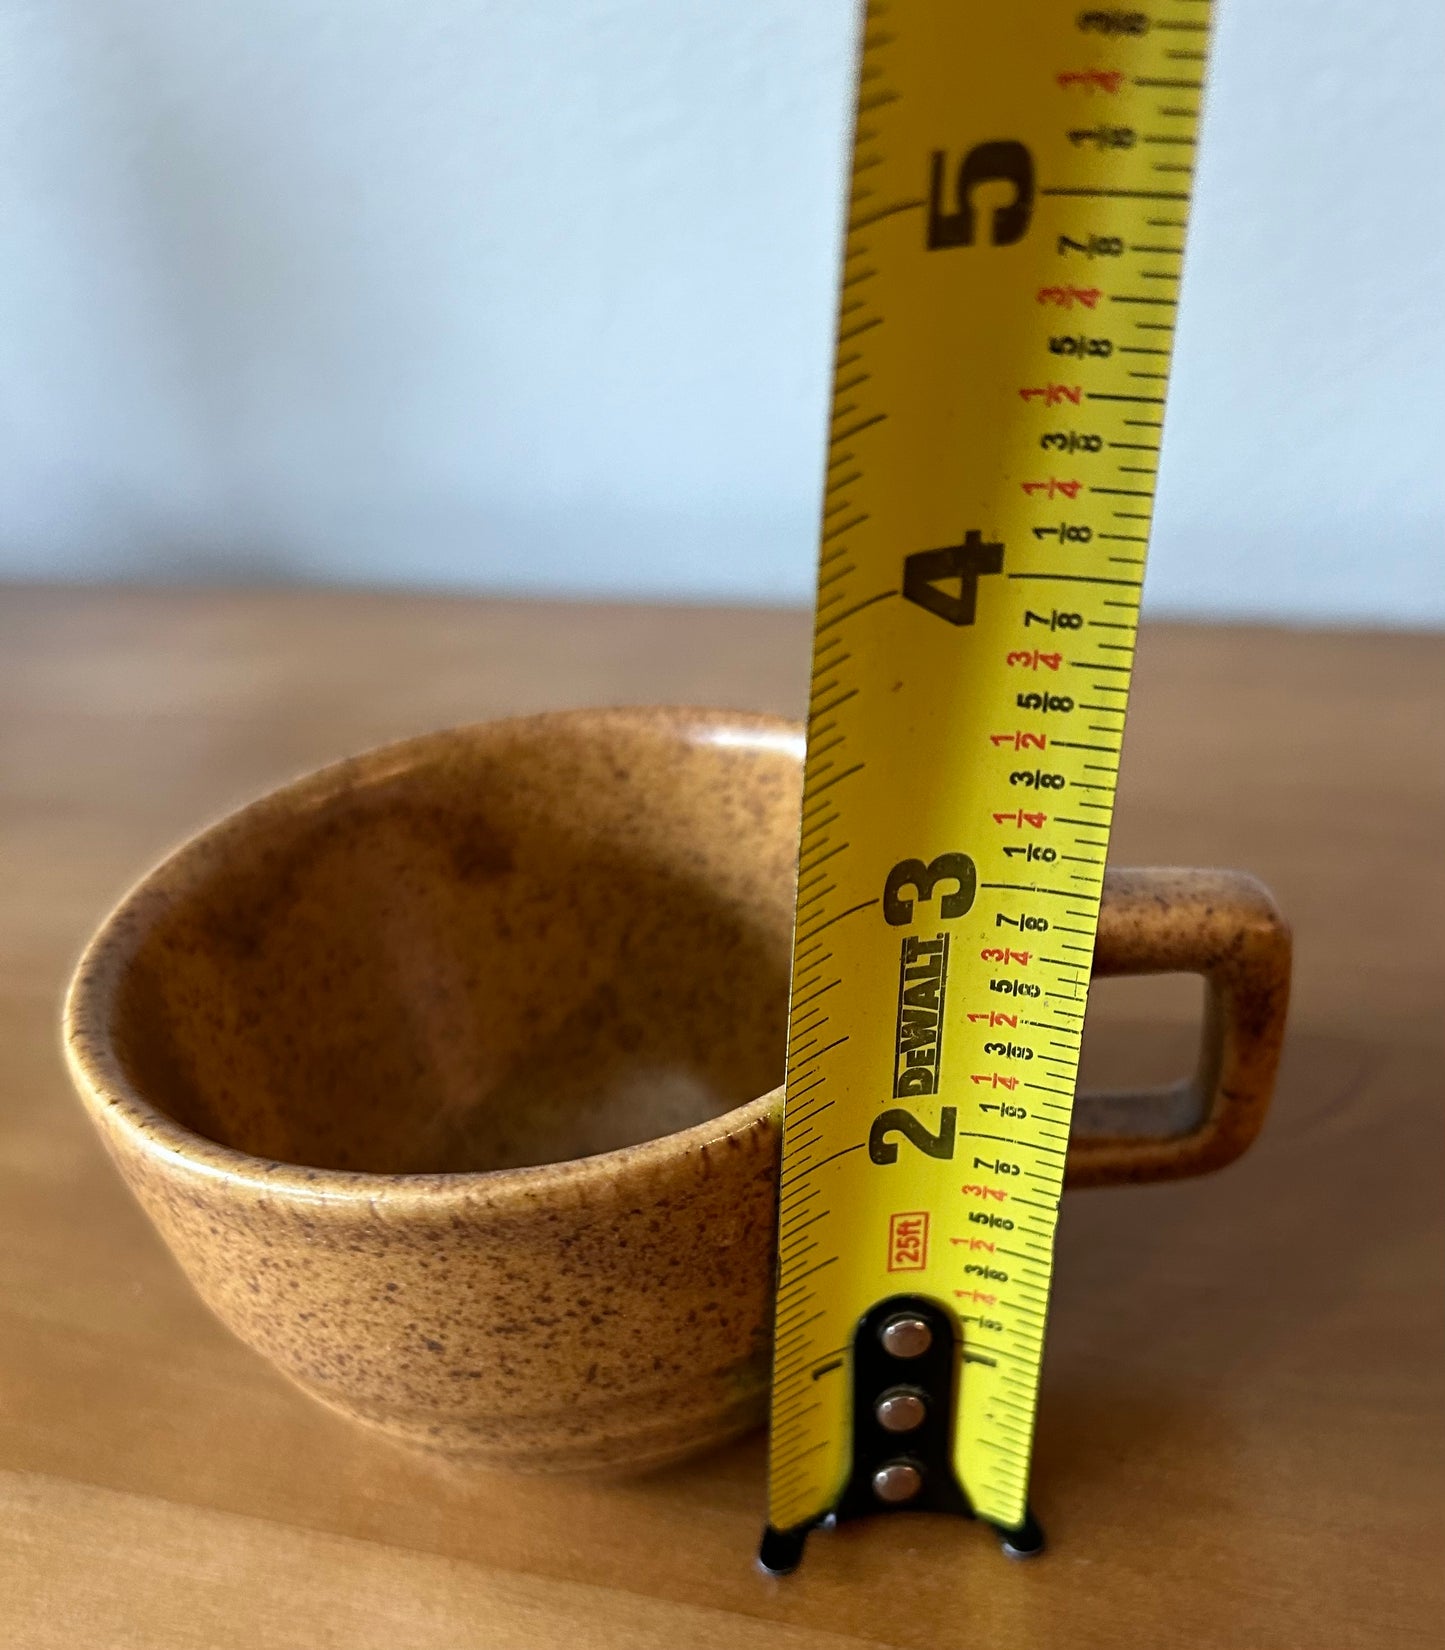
{"x": 450, "y": 1074}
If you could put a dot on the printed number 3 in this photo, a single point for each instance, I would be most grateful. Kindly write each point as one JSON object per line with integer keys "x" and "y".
{"x": 923, "y": 879}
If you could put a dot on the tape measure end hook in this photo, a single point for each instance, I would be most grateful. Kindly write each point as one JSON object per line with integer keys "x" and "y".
{"x": 904, "y": 1374}
{"x": 781, "y": 1551}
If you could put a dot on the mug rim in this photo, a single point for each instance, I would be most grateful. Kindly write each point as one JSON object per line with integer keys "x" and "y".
{"x": 117, "y": 1105}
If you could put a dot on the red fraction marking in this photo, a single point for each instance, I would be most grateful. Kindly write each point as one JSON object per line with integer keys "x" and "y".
{"x": 1103, "y": 80}
{"x": 977, "y": 1295}
{"x": 993, "y": 953}
{"x": 975, "y": 1243}
{"x": 984, "y": 1191}
{"x": 996, "y": 1080}
{"x": 1067, "y": 296}
{"x": 1067, "y": 489}
{"x": 1052, "y": 394}
{"x": 1031, "y": 659}
{"x": 1021, "y": 741}
{"x": 1020, "y": 818}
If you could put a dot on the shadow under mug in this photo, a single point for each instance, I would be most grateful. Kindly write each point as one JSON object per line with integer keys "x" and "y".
{"x": 450, "y": 1073}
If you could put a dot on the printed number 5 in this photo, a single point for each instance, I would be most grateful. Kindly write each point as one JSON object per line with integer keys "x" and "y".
{"x": 913, "y": 873}
{"x": 1002, "y": 161}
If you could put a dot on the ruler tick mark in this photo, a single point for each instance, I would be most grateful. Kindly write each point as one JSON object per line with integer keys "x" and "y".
{"x": 1084, "y": 193}
{"x": 855, "y": 521}
{"x": 842, "y": 699}
{"x": 883, "y": 212}
{"x": 858, "y": 330}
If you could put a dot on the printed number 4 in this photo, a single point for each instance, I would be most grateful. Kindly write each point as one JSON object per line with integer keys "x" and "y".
{"x": 927, "y": 573}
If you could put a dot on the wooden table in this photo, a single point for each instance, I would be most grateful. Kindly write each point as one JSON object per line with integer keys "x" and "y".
{"x": 1240, "y": 1439}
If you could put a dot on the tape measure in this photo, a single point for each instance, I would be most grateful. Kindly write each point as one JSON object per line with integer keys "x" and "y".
{"x": 1020, "y": 190}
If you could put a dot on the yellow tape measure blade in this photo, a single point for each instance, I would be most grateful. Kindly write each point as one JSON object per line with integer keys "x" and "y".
{"x": 1020, "y": 189}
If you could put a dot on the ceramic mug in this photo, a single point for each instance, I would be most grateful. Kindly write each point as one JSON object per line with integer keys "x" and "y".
{"x": 450, "y": 1073}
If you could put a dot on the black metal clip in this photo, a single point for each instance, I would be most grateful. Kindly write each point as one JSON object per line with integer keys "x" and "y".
{"x": 905, "y": 1371}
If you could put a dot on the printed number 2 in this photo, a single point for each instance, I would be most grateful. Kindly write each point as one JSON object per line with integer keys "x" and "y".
{"x": 883, "y": 1150}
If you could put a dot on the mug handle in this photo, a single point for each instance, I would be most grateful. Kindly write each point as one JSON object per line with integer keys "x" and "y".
{"x": 1226, "y": 926}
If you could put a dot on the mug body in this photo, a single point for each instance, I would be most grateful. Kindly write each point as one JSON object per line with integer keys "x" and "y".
{"x": 449, "y": 1075}
{"x": 608, "y": 1316}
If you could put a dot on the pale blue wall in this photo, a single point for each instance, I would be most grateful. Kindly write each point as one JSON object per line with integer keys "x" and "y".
{"x": 538, "y": 295}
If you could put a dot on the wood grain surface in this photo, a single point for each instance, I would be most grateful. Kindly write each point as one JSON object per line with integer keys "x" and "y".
{"x": 1241, "y": 1434}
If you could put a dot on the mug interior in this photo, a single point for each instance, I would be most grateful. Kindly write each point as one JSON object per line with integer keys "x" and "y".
{"x": 513, "y": 944}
